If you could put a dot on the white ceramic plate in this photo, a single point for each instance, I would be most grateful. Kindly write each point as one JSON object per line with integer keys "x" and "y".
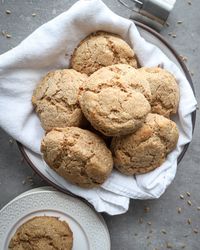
{"x": 50, "y": 188}
{"x": 89, "y": 229}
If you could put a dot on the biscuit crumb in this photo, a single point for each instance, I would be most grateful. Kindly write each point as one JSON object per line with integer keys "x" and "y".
{"x": 141, "y": 220}
{"x": 188, "y": 194}
{"x": 168, "y": 245}
{"x": 163, "y": 231}
{"x": 3, "y": 33}
{"x": 8, "y": 36}
{"x": 11, "y": 141}
{"x": 8, "y": 12}
{"x": 179, "y": 210}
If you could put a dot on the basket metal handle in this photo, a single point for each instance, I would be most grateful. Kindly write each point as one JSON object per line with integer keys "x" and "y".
{"x": 151, "y": 12}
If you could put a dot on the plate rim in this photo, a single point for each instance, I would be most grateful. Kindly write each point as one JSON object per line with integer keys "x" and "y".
{"x": 51, "y": 188}
{"x": 34, "y": 191}
{"x": 185, "y": 148}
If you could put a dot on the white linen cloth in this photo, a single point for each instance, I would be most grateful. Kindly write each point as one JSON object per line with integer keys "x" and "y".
{"x": 49, "y": 48}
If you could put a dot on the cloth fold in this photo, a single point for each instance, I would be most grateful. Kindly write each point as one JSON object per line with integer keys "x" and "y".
{"x": 49, "y": 48}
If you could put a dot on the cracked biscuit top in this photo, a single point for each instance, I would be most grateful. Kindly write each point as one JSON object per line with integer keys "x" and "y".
{"x": 164, "y": 90}
{"x": 42, "y": 233}
{"x": 78, "y": 155}
{"x": 115, "y": 100}
{"x": 147, "y": 148}
{"x": 99, "y": 50}
{"x": 56, "y": 99}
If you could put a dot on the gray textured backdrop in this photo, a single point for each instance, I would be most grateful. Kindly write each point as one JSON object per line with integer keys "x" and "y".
{"x": 168, "y": 228}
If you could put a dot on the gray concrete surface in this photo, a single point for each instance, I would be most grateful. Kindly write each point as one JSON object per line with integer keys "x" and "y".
{"x": 127, "y": 233}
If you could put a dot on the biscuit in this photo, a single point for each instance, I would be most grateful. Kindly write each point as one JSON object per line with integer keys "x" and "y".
{"x": 100, "y": 50}
{"x": 164, "y": 90}
{"x": 78, "y": 155}
{"x": 56, "y": 99}
{"x": 42, "y": 232}
{"x": 114, "y": 100}
{"x": 147, "y": 148}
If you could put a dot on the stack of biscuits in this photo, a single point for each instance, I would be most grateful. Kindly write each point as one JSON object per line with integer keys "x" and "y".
{"x": 106, "y": 111}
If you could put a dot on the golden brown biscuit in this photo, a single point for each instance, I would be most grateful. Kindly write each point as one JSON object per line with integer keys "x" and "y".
{"x": 42, "y": 233}
{"x": 78, "y": 155}
{"x": 114, "y": 100}
{"x": 164, "y": 90}
{"x": 147, "y": 148}
{"x": 99, "y": 50}
{"x": 56, "y": 99}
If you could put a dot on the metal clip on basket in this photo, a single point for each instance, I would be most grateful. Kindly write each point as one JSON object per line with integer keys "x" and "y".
{"x": 154, "y": 13}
